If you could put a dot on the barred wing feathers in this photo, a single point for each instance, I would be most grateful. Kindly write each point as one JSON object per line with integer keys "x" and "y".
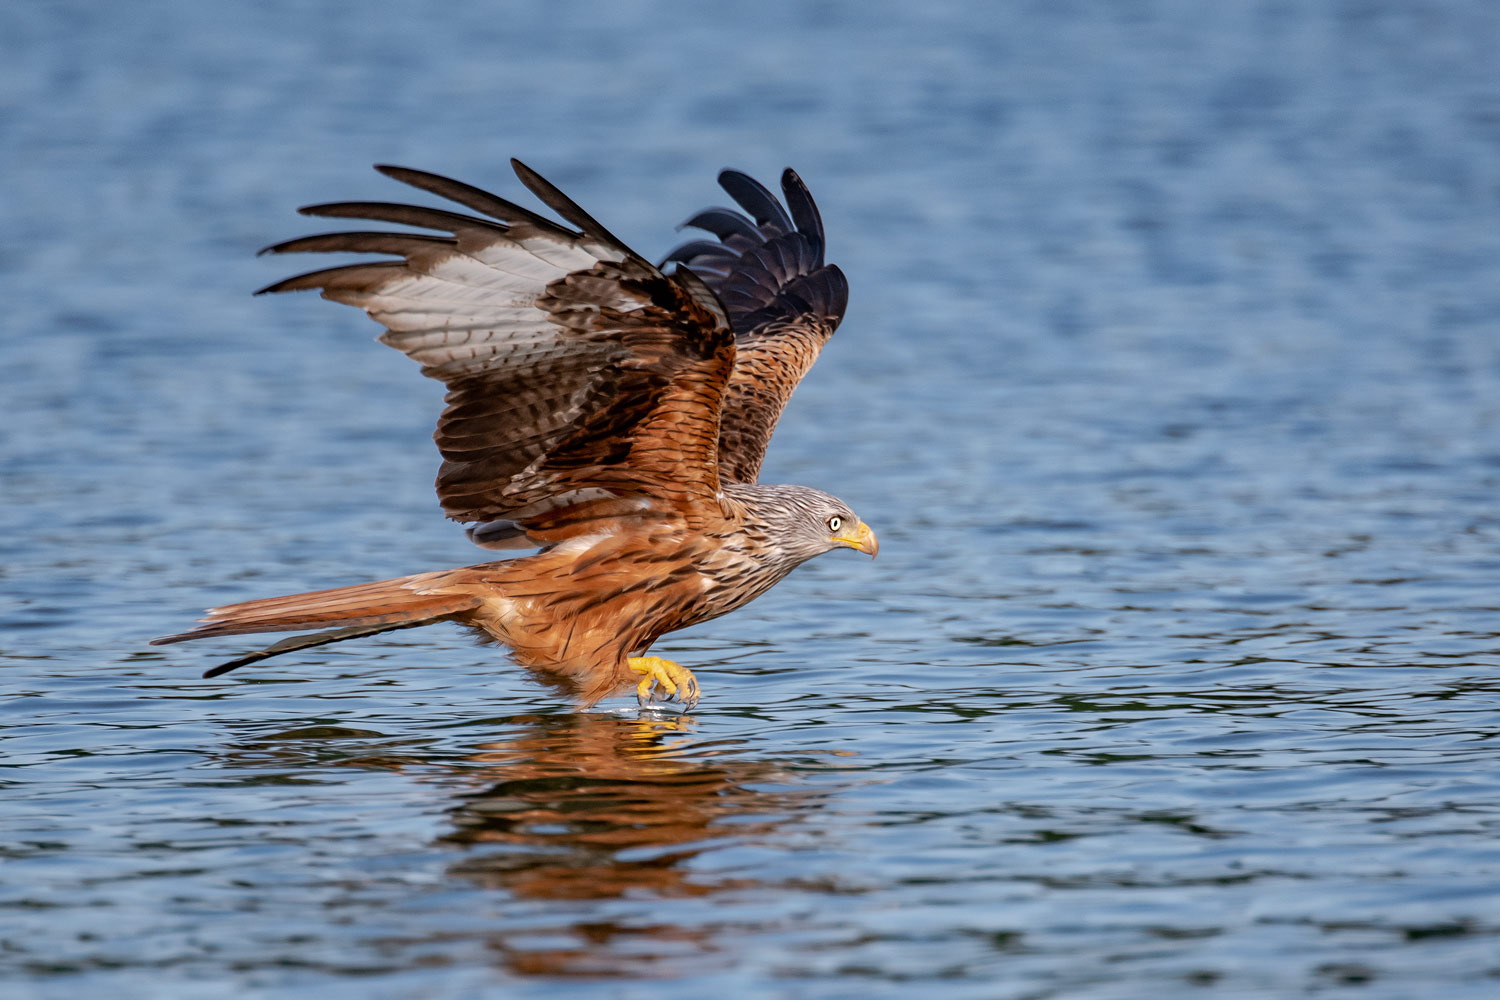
{"x": 581, "y": 380}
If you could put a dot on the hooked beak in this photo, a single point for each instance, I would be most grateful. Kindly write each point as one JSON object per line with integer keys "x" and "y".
{"x": 863, "y": 540}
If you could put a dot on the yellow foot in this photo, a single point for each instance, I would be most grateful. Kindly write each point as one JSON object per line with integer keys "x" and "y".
{"x": 671, "y": 680}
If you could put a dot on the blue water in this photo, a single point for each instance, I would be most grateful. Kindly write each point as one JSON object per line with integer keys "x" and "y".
{"x": 1171, "y": 382}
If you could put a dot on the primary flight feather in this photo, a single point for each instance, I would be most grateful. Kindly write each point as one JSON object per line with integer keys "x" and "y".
{"x": 609, "y": 413}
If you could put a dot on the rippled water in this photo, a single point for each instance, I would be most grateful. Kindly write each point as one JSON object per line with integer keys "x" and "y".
{"x": 1171, "y": 382}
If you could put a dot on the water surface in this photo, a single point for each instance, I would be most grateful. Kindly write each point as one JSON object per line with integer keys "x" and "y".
{"x": 1171, "y": 381}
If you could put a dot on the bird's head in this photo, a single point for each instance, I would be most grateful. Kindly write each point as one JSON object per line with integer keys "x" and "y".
{"x": 804, "y": 522}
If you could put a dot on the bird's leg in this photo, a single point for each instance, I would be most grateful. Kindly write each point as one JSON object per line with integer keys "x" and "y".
{"x": 675, "y": 680}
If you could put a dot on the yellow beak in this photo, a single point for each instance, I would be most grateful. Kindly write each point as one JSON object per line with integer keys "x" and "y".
{"x": 864, "y": 540}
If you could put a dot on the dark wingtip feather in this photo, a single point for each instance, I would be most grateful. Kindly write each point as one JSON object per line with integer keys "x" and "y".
{"x": 694, "y": 249}
{"x": 292, "y": 284}
{"x": 755, "y": 198}
{"x": 348, "y": 276}
{"x": 472, "y": 197}
{"x": 804, "y": 209}
{"x": 723, "y": 223}
{"x": 406, "y": 215}
{"x": 563, "y": 205}
{"x": 773, "y": 270}
{"x": 366, "y": 242}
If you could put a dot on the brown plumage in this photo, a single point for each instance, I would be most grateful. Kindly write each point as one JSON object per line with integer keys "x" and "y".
{"x": 607, "y": 412}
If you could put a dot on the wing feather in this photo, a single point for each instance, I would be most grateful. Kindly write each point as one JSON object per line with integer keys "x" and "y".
{"x": 387, "y": 243}
{"x": 723, "y": 223}
{"x": 782, "y": 299}
{"x": 472, "y": 197}
{"x": 804, "y": 210}
{"x": 756, "y": 199}
{"x": 563, "y": 205}
{"x": 580, "y": 378}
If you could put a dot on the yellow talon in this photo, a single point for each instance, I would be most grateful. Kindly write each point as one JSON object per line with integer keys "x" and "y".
{"x": 674, "y": 680}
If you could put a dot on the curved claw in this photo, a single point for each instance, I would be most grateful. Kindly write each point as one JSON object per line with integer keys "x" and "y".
{"x": 663, "y": 680}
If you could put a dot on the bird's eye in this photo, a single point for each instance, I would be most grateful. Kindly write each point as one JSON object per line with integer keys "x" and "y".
{"x": 835, "y": 523}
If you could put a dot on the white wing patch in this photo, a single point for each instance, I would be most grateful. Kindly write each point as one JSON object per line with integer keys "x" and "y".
{"x": 474, "y": 308}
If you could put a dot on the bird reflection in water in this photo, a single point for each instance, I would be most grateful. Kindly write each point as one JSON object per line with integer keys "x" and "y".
{"x": 599, "y": 807}
{"x": 586, "y": 817}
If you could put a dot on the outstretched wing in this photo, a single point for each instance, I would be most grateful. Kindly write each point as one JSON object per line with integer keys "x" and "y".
{"x": 582, "y": 382}
{"x": 783, "y": 300}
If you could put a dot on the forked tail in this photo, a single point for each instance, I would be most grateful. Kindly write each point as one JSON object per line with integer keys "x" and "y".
{"x": 361, "y": 610}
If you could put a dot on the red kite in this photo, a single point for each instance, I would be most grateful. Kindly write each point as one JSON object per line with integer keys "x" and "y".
{"x": 607, "y": 412}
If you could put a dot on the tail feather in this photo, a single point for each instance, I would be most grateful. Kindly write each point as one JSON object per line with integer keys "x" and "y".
{"x": 297, "y": 642}
{"x": 359, "y": 610}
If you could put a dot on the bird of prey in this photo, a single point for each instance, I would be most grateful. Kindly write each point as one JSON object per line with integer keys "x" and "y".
{"x": 608, "y": 412}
